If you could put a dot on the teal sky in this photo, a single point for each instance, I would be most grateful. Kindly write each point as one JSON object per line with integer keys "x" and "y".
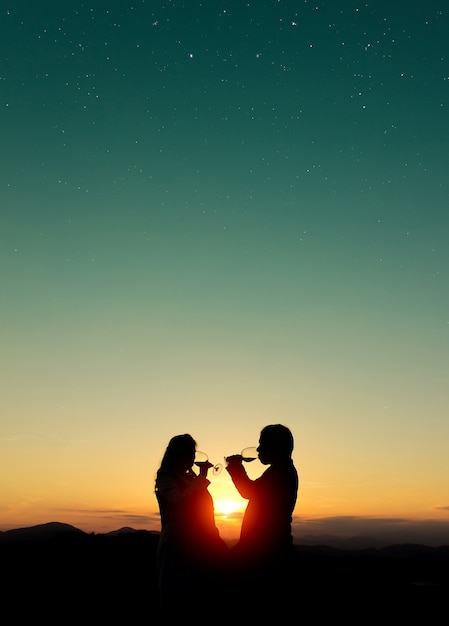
{"x": 215, "y": 215}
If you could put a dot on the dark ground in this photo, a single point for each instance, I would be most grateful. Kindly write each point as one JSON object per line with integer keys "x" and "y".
{"x": 74, "y": 577}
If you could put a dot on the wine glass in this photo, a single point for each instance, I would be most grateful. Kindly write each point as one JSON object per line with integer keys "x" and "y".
{"x": 249, "y": 454}
{"x": 201, "y": 458}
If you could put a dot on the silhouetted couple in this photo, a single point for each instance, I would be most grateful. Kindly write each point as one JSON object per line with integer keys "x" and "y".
{"x": 195, "y": 566}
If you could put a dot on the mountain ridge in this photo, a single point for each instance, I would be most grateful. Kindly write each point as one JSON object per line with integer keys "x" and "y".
{"x": 51, "y": 530}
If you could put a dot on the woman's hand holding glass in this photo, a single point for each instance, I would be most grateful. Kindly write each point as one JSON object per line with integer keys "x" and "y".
{"x": 202, "y": 461}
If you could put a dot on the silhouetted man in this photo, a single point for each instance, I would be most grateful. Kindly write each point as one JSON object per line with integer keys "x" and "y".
{"x": 263, "y": 555}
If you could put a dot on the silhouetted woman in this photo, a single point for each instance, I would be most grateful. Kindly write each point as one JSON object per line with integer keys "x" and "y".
{"x": 190, "y": 547}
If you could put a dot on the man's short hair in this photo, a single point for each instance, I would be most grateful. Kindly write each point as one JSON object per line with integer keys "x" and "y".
{"x": 280, "y": 438}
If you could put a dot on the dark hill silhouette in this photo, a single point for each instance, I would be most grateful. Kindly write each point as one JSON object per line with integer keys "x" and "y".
{"x": 121, "y": 531}
{"x": 41, "y": 532}
{"x": 58, "y": 574}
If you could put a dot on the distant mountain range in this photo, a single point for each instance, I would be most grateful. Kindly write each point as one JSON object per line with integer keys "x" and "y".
{"x": 318, "y": 544}
{"x": 50, "y": 530}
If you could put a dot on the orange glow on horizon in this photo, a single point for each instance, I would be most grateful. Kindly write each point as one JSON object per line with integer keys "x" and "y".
{"x": 226, "y": 508}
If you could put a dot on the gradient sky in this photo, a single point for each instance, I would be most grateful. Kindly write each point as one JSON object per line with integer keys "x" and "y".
{"x": 217, "y": 215}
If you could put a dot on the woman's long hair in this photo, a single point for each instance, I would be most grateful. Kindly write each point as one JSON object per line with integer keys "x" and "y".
{"x": 179, "y": 454}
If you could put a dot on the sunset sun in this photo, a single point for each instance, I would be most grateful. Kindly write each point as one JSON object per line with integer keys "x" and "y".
{"x": 227, "y": 507}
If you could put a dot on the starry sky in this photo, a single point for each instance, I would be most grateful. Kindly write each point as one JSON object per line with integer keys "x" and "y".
{"x": 217, "y": 215}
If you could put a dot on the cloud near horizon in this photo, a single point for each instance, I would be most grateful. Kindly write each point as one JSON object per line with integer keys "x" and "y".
{"x": 382, "y": 530}
{"x": 332, "y": 530}
{"x": 122, "y": 517}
